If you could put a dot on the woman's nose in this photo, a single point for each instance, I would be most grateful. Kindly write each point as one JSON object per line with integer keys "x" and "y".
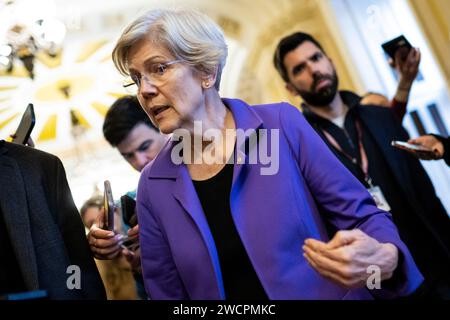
{"x": 147, "y": 88}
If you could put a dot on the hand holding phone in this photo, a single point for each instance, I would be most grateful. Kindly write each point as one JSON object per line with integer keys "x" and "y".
{"x": 130, "y": 243}
{"x": 26, "y": 125}
{"x": 108, "y": 200}
{"x": 392, "y": 46}
{"x": 419, "y": 151}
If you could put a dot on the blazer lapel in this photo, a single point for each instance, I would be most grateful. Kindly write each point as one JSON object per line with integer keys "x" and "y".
{"x": 186, "y": 195}
{"x": 14, "y": 207}
{"x": 184, "y": 192}
{"x": 245, "y": 119}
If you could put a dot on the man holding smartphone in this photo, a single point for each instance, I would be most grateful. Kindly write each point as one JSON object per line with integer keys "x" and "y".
{"x": 360, "y": 137}
{"x": 128, "y": 128}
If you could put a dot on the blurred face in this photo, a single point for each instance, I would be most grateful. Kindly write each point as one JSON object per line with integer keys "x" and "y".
{"x": 90, "y": 216}
{"x": 375, "y": 99}
{"x": 311, "y": 75}
{"x": 176, "y": 99}
{"x": 141, "y": 146}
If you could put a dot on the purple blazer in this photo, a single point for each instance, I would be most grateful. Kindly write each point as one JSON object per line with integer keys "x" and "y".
{"x": 273, "y": 215}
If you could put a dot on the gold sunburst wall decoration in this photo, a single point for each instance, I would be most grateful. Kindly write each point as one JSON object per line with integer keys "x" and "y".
{"x": 76, "y": 86}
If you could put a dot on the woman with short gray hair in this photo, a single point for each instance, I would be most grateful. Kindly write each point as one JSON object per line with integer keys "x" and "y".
{"x": 226, "y": 218}
{"x": 191, "y": 37}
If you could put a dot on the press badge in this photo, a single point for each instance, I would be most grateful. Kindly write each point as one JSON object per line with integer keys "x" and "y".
{"x": 379, "y": 198}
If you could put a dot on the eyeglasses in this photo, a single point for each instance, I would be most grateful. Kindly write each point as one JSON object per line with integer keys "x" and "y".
{"x": 154, "y": 73}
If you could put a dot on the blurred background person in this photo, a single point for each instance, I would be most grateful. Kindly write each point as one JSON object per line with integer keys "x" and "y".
{"x": 375, "y": 98}
{"x": 116, "y": 273}
{"x": 128, "y": 128}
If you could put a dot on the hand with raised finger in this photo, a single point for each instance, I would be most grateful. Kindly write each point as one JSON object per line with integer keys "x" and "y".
{"x": 347, "y": 257}
{"x": 407, "y": 65}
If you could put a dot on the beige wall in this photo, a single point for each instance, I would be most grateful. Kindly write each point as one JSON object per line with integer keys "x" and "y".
{"x": 259, "y": 82}
{"x": 434, "y": 18}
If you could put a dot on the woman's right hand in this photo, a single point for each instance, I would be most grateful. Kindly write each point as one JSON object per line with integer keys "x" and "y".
{"x": 104, "y": 244}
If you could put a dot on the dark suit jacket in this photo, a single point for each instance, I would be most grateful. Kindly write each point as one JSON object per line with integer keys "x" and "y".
{"x": 44, "y": 226}
{"x": 446, "y": 143}
{"x": 384, "y": 127}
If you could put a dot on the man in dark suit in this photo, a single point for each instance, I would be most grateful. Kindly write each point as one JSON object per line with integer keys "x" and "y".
{"x": 42, "y": 240}
{"x": 360, "y": 137}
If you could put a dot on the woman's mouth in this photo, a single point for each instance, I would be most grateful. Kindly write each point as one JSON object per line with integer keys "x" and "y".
{"x": 159, "y": 109}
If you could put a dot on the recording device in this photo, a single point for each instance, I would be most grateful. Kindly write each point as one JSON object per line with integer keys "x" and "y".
{"x": 129, "y": 216}
{"x": 25, "y": 127}
{"x": 108, "y": 223}
{"x": 411, "y": 147}
{"x": 392, "y": 46}
{"x": 128, "y": 205}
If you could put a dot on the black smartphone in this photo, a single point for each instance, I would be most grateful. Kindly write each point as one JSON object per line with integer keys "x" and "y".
{"x": 108, "y": 223}
{"x": 131, "y": 244}
{"x": 25, "y": 127}
{"x": 128, "y": 205}
{"x": 392, "y": 46}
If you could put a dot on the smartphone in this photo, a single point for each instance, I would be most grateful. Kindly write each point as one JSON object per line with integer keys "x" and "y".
{"x": 131, "y": 244}
{"x": 128, "y": 205}
{"x": 108, "y": 203}
{"x": 392, "y": 46}
{"x": 25, "y": 127}
{"x": 410, "y": 147}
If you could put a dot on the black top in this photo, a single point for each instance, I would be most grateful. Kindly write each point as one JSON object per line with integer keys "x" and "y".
{"x": 239, "y": 277}
{"x": 11, "y": 280}
{"x": 420, "y": 240}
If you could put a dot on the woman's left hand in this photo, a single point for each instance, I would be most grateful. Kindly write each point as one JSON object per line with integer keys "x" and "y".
{"x": 347, "y": 258}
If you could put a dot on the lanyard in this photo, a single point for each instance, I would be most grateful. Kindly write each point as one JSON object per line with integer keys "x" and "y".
{"x": 364, "y": 165}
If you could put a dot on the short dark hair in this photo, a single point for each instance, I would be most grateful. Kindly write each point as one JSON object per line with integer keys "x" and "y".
{"x": 286, "y": 45}
{"x": 124, "y": 114}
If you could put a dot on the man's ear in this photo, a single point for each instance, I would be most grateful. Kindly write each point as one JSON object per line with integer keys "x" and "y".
{"x": 289, "y": 87}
